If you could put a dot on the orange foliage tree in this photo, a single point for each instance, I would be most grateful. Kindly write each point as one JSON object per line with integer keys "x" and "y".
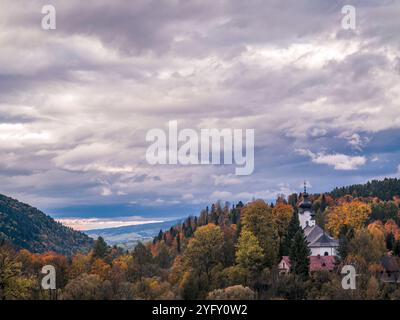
{"x": 282, "y": 214}
{"x": 353, "y": 214}
{"x": 392, "y": 227}
{"x": 101, "y": 268}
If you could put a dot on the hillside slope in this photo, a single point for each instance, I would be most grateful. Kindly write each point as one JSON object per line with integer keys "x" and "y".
{"x": 384, "y": 189}
{"x": 28, "y": 228}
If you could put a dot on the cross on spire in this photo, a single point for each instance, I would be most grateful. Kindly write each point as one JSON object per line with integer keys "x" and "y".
{"x": 305, "y": 187}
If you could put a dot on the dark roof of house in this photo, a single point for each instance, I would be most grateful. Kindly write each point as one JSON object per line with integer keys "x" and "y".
{"x": 317, "y": 263}
{"x": 322, "y": 263}
{"x": 313, "y": 232}
{"x": 390, "y": 263}
{"x": 316, "y": 237}
{"x": 286, "y": 260}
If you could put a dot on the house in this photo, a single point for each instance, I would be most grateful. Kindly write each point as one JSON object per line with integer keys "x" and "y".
{"x": 390, "y": 269}
{"x": 284, "y": 265}
{"x": 317, "y": 263}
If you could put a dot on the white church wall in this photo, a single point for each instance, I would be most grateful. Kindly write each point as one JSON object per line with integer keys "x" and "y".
{"x": 322, "y": 250}
{"x": 306, "y": 219}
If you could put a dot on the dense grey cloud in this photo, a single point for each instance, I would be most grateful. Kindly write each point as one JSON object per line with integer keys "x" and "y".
{"x": 76, "y": 102}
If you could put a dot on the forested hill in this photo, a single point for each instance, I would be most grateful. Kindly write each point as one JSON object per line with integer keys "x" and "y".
{"x": 28, "y": 228}
{"x": 383, "y": 189}
{"x": 227, "y": 252}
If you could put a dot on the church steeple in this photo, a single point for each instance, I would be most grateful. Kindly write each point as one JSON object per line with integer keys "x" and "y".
{"x": 306, "y": 214}
{"x": 306, "y": 203}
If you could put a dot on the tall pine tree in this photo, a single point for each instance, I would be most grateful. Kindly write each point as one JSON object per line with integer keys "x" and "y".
{"x": 396, "y": 248}
{"x": 299, "y": 253}
{"x": 178, "y": 243}
{"x": 100, "y": 248}
{"x": 389, "y": 241}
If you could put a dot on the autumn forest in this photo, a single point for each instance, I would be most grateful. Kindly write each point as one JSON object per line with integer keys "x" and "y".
{"x": 230, "y": 251}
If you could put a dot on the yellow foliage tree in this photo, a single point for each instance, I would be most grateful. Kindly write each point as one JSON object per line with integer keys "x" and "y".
{"x": 80, "y": 264}
{"x": 204, "y": 249}
{"x": 366, "y": 248}
{"x": 376, "y": 228}
{"x": 282, "y": 214}
{"x": 257, "y": 218}
{"x": 353, "y": 214}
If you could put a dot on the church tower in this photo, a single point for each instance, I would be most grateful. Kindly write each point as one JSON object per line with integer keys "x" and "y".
{"x": 306, "y": 214}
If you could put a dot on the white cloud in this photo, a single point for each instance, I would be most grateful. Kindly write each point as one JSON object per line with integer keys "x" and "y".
{"x": 106, "y": 191}
{"x": 355, "y": 140}
{"x": 336, "y": 160}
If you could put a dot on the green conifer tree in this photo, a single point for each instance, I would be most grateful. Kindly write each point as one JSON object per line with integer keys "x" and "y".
{"x": 293, "y": 228}
{"x": 390, "y": 241}
{"x": 100, "y": 248}
{"x": 299, "y": 253}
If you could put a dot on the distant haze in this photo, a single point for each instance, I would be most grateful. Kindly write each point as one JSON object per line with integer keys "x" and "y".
{"x": 98, "y": 223}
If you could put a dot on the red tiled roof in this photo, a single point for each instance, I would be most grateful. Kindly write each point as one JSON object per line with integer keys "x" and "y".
{"x": 286, "y": 260}
{"x": 317, "y": 263}
{"x": 322, "y": 263}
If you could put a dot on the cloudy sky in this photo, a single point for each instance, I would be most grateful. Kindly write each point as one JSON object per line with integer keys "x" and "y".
{"x": 76, "y": 102}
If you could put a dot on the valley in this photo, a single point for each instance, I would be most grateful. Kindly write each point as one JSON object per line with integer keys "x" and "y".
{"x": 127, "y": 237}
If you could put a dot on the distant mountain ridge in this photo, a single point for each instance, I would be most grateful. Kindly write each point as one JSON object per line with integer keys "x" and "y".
{"x": 28, "y": 228}
{"x": 128, "y": 236}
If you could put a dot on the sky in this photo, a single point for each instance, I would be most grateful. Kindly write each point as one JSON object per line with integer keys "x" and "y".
{"x": 76, "y": 102}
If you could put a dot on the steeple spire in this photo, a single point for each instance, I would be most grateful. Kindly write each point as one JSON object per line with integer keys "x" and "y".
{"x": 306, "y": 201}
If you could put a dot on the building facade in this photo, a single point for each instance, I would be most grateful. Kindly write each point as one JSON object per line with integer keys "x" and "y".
{"x": 319, "y": 242}
{"x": 322, "y": 246}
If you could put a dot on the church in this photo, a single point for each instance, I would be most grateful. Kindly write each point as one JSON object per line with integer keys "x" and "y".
{"x": 322, "y": 246}
{"x": 319, "y": 242}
